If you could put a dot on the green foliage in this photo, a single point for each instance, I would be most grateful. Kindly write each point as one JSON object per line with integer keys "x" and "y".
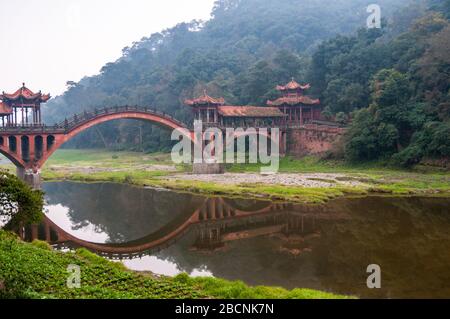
{"x": 239, "y": 290}
{"x": 361, "y": 137}
{"x": 41, "y": 244}
{"x": 18, "y": 202}
{"x": 408, "y": 157}
{"x": 28, "y": 271}
{"x": 432, "y": 141}
{"x": 408, "y": 102}
{"x": 341, "y": 118}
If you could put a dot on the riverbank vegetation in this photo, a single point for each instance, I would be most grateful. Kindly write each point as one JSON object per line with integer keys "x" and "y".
{"x": 19, "y": 204}
{"x": 34, "y": 270}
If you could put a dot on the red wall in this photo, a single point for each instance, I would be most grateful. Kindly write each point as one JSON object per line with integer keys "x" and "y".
{"x": 312, "y": 139}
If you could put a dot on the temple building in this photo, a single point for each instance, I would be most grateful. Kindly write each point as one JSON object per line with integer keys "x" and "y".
{"x": 22, "y": 108}
{"x": 215, "y": 112}
{"x": 299, "y": 108}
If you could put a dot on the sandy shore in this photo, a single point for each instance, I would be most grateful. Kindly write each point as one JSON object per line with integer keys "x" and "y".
{"x": 304, "y": 180}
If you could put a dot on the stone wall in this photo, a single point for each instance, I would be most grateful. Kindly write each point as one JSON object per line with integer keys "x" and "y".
{"x": 312, "y": 139}
{"x": 208, "y": 168}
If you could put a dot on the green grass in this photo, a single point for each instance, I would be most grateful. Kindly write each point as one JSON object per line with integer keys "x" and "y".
{"x": 99, "y": 158}
{"x": 33, "y": 270}
{"x": 239, "y": 290}
{"x": 313, "y": 164}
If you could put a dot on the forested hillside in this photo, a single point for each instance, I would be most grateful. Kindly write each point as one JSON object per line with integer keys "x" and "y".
{"x": 398, "y": 77}
{"x": 395, "y": 89}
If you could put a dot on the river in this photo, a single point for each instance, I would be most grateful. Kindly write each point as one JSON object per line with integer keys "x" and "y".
{"x": 326, "y": 247}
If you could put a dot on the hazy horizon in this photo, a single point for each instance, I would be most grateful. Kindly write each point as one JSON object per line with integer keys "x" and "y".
{"x": 49, "y": 42}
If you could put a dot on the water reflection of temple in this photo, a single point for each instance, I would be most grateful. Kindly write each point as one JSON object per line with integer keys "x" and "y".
{"x": 216, "y": 222}
{"x": 287, "y": 224}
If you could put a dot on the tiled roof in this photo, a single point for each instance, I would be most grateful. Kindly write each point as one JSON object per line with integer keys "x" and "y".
{"x": 26, "y": 94}
{"x": 249, "y": 111}
{"x": 294, "y": 100}
{"x": 205, "y": 99}
{"x": 293, "y": 85}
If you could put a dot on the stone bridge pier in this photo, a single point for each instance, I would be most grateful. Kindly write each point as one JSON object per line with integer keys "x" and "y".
{"x": 29, "y": 176}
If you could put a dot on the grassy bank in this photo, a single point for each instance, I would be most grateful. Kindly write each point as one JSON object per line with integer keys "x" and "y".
{"x": 156, "y": 170}
{"x": 33, "y": 270}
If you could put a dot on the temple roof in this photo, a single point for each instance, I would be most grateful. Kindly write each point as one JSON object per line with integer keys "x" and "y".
{"x": 25, "y": 94}
{"x": 249, "y": 111}
{"x": 5, "y": 109}
{"x": 293, "y": 85}
{"x": 294, "y": 100}
{"x": 205, "y": 99}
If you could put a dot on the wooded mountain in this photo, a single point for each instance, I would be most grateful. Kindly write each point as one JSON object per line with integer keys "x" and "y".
{"x": 249, "y": 46}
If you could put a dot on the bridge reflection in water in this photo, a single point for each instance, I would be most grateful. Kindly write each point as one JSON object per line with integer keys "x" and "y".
{"x": 215, "y": 222}
{"x": 325, "y": 247}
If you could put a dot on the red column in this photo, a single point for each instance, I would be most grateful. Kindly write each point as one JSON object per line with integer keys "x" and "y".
{"x": 19, "y": 146}
{"x": 44, "y": 145}
{"x": 31, "y": 146}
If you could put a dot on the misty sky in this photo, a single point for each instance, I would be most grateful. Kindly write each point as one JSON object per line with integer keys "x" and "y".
{"x": 45, "y": 43}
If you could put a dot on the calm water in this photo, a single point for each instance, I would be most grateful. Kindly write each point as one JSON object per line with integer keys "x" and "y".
{"x": 324, "y": 247}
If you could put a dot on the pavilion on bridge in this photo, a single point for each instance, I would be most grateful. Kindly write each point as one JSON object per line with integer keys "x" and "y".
{"x": 293, "y": 108}
{"x": 215, "y": 112}
{"x": 22, "y": 108}
{"x": 299, "y": 108}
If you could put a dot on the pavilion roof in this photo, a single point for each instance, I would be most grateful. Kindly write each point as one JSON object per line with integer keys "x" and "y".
{"x": 293, "y": 85}
{"x": 205, "y": 99}
{"x": 5, "y": 109}
{"x": 25, "y": 94}
{"x": 294, "y": 100}
{"x": 249, "y": 111}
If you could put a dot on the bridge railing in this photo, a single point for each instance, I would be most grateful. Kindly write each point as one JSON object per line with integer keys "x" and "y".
{"x": 86, "y": 116}
{"x": 32, "y": 129}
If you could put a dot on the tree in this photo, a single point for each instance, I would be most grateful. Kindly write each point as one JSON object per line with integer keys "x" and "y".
{"x": 360, "y": 139}
{"x": 18, "y": 202}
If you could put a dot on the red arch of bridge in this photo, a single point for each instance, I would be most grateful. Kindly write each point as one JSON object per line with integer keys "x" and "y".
{"x": 10, "y": 155}
{"x": 62, "y": 137}
{"x": 150, "y": 242}
{"x": 136, "y": 115}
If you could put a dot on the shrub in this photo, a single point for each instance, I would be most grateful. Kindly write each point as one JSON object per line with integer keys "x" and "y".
{"x": 41, "y": 244}
{"x": 410, "y": 156}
